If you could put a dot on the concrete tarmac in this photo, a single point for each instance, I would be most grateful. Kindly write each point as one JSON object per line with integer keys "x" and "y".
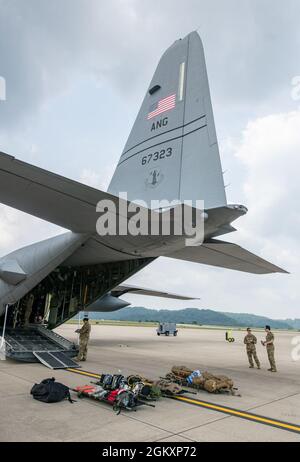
{"x": 139, "y": 350}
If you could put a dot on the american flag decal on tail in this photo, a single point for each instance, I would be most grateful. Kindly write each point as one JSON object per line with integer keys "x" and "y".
{"x": 161, "y": 106}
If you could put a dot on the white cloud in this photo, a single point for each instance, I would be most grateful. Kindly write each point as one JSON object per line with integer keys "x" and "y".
{"x": 269, "y": 150}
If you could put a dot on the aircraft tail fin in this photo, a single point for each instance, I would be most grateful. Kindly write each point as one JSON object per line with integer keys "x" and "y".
{"x": 172, "y": 151}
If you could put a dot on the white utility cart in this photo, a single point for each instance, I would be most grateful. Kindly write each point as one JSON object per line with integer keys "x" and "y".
{"x": 167, "y": 328}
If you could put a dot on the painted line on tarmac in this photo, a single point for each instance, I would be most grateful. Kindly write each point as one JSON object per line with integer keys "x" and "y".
{"x": 215, "y": 407}
{"x": 242, "y": 414}
{"x": 86, "y": 373}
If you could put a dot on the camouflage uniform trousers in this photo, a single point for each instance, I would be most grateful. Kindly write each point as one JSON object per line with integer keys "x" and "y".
{"x": 270, "y": 351}
{"x": 83, "y": 348}
{"x": 251, "y": 353}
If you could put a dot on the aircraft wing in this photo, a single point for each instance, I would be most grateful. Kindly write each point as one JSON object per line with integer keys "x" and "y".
{"x": 48, "y": 196}
{"x": 124, "y": 289}
{"x": 72, "y": 205}
{"x": 226, "y": 255}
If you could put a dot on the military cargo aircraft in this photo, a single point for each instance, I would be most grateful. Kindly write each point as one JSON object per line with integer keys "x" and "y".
{"x": 171, "y": 154}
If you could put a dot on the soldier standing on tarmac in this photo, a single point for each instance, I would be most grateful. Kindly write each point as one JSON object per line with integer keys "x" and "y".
{"x": 250, "y": 341}
{"x": 269, "y": 344}
{"x": 84, "y": 336}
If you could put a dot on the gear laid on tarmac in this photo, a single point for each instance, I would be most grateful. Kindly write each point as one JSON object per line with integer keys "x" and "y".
{"x": 131, "y": 392}
{"x": 120, "y": 398}
{"x": 123, "y": 393}
{"x": 209, "y": 405}
{"x": 128, "y": 393}
{"x": 198, "y": 380}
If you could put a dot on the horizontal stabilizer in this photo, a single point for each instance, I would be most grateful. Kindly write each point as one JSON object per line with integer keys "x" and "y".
{"x": 124, "y": 289}
{"x": 226, "y": 255}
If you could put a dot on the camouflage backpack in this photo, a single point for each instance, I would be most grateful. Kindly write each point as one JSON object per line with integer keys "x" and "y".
{"x": 181, "y": 371}
{"x": 143, "y": 387}
{"x": 217, "y": 383}
{"x": 169, "y": 388}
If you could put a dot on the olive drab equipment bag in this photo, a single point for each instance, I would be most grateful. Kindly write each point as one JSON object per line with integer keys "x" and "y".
{"x": 201, "y": 380}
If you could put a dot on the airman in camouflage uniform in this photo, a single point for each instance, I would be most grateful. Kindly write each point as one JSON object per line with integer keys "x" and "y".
{"x": 84, "y": 336}
{"x": 250, "y": 341}
{"x": 269, "y": 344}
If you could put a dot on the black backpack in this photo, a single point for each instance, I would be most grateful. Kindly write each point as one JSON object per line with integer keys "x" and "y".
{"x": 49, "y": 391}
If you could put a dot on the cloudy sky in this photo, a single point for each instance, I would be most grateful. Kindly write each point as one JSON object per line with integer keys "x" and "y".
{"x": 76, "y": 72}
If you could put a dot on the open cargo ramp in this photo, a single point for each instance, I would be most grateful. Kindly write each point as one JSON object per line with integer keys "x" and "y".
{"x": 22, "y": 344}
{"x": 55, "y": 360}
